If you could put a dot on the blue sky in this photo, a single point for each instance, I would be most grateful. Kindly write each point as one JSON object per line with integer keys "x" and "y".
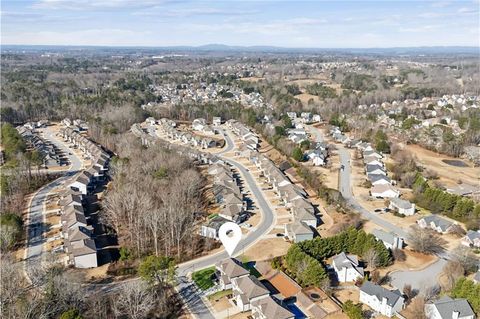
{"x": 319, "y": 24}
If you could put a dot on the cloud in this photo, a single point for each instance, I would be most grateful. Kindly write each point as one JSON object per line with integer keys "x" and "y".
{"x": 92, "y": 4}
{"x": 418, "y": 29}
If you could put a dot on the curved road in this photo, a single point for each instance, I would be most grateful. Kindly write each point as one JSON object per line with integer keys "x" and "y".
{"x": 187, "y": 290}
{"x": 36, "y": 226}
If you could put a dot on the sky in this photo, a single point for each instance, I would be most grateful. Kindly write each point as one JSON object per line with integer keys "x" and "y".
{"x": 296, "y": 24}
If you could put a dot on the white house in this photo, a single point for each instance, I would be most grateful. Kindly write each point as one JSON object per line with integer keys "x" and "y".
{"x": 382, "y": 300}
{"x": 379, "y": 179}
{"x": 347, "y": 267}
{"x": 402, "y": 206}
{"x": 448, "y": 308}
{"x": 247, "y": 291}
{"x": 471, "y": 239}
{"x": 198, "y": 124}
{"x": 384, "y": 191}
{"x": 390, "y": 240}
{"x": 375, "y": 169}
{"x": 436, "y": 223}
{"x": 217, "y": 121}
{"x": 229, "y": 269}
{"x": 298, "y": 231}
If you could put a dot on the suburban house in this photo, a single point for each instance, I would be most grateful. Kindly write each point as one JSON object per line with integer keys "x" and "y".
{"x": 369, "y": 152}
{"x": 436, "y": 223}
{"x": 382, "y": 300}
{"x": 347, "y": 267}
{"x": 210, "y": 230}
{"x": 198, "y": 124}
{"x": 375, "y": 169}
{"x": 317, "y": 156}
{"x": 248, "y": 290}
{"x": 472, "y": 239}
{"x": 229, "y": 269}
{"x": 402, "y": 206}
{"x": 269, "y": 308}
{"x": 372, "y": 160}
{"x": 216, "y": 120}
{"x": 379, "y": 179}
{"x": 384, "y": 191}
{"x": 389, "y": 239}
{"x": 298, "y": 231}
{"x": 448, "y": 308}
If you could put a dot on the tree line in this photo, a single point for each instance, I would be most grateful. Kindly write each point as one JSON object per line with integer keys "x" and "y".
{"x": 304, "y": 260}
{"x": 439, "y": 201}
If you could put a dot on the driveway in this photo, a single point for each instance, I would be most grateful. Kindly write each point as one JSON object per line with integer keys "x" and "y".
{"x": 418, "y": 279}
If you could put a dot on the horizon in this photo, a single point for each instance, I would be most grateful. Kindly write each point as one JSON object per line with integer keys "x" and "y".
{"x": 299, "y": 25}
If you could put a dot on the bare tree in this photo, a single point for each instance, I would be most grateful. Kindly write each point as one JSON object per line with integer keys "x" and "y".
{"x": 426, "y": 240}
{"x": 371, "y": 258}
{"x": 452, "y": 271}
{"x": 464, "y": 256}
{"x": 134, "y": 300}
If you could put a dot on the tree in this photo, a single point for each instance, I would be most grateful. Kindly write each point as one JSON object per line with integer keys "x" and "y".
{"x": 157, "y": 269}
{"x": 399, "y": 255}
{"x": 464, "y": 256}
{"x": 297, "y": 154}
{"x": 426, "y": 240}
{"x": 133, "y": 300}
{"x": 452, "y": 271}
{"x": 371, "y": 258}
{"x": 71, "y": 314}
{"x": 408, "y": 292}
{"x": 375, "y": 276}
{"x": 353, "y": 311}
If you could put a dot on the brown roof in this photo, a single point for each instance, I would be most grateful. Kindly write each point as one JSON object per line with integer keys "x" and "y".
{"x": 84, "y": 247}
{"x": 285, "y": 285}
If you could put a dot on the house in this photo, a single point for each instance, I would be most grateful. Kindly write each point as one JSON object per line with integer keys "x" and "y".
{"x": 382, "y": 300}
{"x": 402, "y": 206}
{"x": 82, "y": 183}
{"x": 269, "y": 308}
{"x": 347, "y": 267}
{"x": 379, "y": 179}
{"x": 384, "y": 191}
{"x": 318, "y": 157}
{"x": 298, "y": 231}
{"x": 247, "y": 291}
{"x": 316, "y": 118}
{"x": 472, "y": 239}
{"x": 217, "y": 121}
{"x": 210, "y": 230}
{"x": 233, "y": 213}
{"x": 198, "y": 124}
{"x": 371, "y": 160}
{"x": 369, "y": 152}
{"x": 292, "y": 115}
{"x": 375, "y": 169}
{"x": 229, "y": 269}
{"x": 390, "y": 239}
{"x": 448, "y": 308}
{"x": 83, "y": 254}
{"x": 436, "y": 223}
{"x": 476, "y": 277}
{"x": 304, "y": 215}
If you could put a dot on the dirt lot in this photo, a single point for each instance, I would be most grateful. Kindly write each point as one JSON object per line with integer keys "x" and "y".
{"x": 414, "y": 261}
{"x": 274, "y": 247}
{"x": 449, "y": 175}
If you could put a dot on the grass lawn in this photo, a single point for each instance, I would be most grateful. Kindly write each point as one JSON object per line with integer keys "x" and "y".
{"x": 204, "y": 278}
{"x": 219, "y": 295}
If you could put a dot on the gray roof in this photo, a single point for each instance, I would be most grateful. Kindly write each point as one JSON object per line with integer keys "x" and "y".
{"x": 272, "y": 310}
{"x": 438, "y": 221}
{"x": 299, "y": 228}
{"x": 446, "y": 306}
{"x": 384, "y": 236}
{"x": 471, "y": 234}
{"x": 401, "y": 203}
{"x": 376, "y": 177}
{"x": 343, "y": 260}
{"x": 380, "y": 292}
{"x": 232, "y": 268}
{"x": 371, "y": 168}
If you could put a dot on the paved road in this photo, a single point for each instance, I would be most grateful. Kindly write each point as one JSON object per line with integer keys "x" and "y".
{"x": 187, "y": 290}
{"x": 418, "y": 279}
{"x": 346, "y": 190}
{"x": 36, "y": 212}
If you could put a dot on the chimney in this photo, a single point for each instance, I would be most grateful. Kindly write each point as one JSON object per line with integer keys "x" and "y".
{"x": 455, "y": 314}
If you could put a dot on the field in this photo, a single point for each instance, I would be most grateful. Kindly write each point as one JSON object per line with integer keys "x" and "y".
{"x": 203, "y": 278}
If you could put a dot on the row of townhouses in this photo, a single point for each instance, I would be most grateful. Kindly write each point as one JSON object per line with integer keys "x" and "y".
{"x": 294, "y": 199}
{"x": 49, "y": 154}
{"x": 77, "y": 231}
{"x": 169, "y": 128}
{"x": 228, "y": 197}
{"x": 77, "y": 125}
{"x": 246, "y": 135}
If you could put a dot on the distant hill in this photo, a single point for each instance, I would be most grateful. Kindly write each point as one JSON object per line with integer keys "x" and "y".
{"x": 436, "y": 50}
